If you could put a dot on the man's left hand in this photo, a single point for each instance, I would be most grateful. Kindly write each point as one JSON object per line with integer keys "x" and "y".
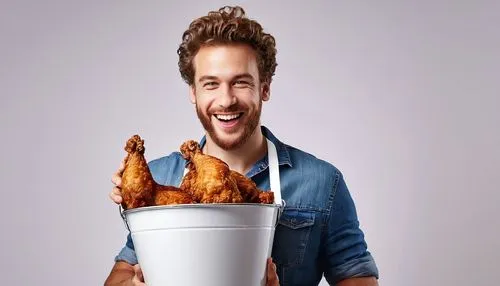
{"x": 272, "y": 275}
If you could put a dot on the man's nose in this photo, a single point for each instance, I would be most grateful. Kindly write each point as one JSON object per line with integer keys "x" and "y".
{"x": 226, "y": 97}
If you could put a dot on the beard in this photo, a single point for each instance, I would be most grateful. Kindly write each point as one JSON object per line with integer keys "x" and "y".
{"x": 251, "y": 123}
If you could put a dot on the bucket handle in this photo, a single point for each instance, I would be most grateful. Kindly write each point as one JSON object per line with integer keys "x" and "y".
{"x": 124, "y": 218}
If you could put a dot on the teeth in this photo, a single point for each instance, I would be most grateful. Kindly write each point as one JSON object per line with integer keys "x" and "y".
{"x": 227, "y": 116}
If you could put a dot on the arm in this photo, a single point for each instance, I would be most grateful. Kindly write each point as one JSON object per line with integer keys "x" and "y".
{"x": 346, "y": 258}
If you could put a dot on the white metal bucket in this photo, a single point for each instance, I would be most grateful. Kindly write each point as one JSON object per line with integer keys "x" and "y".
{"x": 206, "y": 244}
{"x": 203, "y": 244}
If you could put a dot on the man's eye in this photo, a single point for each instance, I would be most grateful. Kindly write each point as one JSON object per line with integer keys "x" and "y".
{"x": 241, "y": 83}
{"x": 210, "y": 84}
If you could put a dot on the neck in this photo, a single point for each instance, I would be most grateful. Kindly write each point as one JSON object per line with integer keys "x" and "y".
{"x": 242, "y": 158}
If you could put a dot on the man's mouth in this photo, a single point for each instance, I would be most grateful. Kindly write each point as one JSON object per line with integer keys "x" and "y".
{"x": 228, "y": 117}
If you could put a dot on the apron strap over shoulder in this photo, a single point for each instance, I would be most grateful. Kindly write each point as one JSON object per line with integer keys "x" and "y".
{"x": 274, "y": 172}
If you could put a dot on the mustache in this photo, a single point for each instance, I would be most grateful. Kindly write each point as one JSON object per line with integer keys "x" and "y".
{"x": 229, "y": 109}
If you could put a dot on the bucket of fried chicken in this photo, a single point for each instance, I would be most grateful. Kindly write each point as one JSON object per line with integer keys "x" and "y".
{"x": 215, "y": 229}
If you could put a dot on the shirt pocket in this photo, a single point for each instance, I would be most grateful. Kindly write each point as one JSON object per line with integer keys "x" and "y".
{"x": 292, "y": 236}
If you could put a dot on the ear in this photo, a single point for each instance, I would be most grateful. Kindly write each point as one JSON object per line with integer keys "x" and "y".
{"x": 192, "y": 94}
{"x": 265, "y": 91}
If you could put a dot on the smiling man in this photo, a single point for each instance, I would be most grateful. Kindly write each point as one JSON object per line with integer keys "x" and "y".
{"x": 228, "y": 61}
{"x": 228, "y": 95}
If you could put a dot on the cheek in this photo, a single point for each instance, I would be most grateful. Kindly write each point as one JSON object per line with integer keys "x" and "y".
{"x": 248, "y": 97}
{"x": 254, "y": 100}
{"x": 203, "y": 103}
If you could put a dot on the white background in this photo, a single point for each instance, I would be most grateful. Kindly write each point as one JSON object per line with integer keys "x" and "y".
{"x": 401, "y": 96}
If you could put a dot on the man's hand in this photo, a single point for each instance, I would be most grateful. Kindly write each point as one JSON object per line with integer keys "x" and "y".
{"x": 138, "y": 279}
{"x": 124, "y": 274}
{"x": 116, "y": 193}
{"x": 272, "y": 275}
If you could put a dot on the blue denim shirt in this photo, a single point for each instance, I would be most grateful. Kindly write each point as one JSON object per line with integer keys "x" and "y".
{"x": 318, "y": 233}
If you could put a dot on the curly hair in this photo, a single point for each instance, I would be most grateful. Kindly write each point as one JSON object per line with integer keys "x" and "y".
{"x": 229, "y": 25}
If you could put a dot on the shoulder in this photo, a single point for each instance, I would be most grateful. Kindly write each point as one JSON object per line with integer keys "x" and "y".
{"x": 309, "y": 181}
{"x": 296, "y": 158}
{"x": 308, "y": 163}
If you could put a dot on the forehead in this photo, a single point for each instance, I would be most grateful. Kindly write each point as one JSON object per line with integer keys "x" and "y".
{"x": 225, "y": 61}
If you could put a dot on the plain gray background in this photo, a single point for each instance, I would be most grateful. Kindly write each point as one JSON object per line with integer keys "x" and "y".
{"x": 402, "y": 96}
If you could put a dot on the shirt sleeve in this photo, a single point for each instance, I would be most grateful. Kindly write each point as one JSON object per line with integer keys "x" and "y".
{"x": 127, "y": 253}
{"x": 345, "y": 250}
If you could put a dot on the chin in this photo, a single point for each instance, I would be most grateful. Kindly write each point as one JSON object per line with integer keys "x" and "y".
{"x": 228, "y": 141}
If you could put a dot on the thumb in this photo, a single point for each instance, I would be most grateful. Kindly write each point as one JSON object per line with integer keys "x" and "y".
{"x": 272, "y": 276}
{"x": 138, "y": 273}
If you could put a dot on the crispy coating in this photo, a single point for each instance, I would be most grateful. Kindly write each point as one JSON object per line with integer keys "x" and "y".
{"x": 211, "y": 180}
{"x": 170, "y": 195}
{"x": 249, "y": 190}
{"x": 138, "y": 186}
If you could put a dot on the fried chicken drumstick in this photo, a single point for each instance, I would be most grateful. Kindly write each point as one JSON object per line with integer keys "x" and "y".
{"x": 138, "y": 186}
{"x": 210, "y": 180}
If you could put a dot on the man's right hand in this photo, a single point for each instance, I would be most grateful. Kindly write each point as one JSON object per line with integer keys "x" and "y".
{"x": 116, "y": 193}
{"x": 124, "y": 274}
{"x": 138, "y": 279}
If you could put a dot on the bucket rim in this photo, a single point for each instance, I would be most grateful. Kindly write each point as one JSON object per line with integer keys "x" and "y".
{"x": 125, "y": 213}
{"x": 200, "y": 205}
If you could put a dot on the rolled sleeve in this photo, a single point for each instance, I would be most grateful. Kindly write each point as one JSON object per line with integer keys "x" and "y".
{"x": 346, "y": 250}
{"x": 127, "y": 253}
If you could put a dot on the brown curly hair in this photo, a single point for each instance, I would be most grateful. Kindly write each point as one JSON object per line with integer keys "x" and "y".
{"x": 227, "y": 26}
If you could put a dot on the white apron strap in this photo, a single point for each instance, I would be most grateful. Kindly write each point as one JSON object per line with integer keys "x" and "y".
{"x": 274, "y": 171}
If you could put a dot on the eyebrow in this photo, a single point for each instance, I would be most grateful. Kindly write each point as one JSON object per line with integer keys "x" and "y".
{"x": 239, "y": 76}
{"x": 207, "y": 77}
{"x": 244, "y": 75}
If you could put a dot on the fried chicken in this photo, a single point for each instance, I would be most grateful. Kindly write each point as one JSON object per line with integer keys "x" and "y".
{"x": 170, "y": 195}
{"x": 249, "y": 190}
{"x": 188, "y": 179}
{"x": 138, "y": 186}
{"x": 209, "y": 179}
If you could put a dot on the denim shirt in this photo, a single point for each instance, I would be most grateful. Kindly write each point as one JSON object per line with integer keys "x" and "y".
{"x": 318, "y": 233}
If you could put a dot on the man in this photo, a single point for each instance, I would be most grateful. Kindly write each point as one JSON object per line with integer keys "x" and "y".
{"x": 228, "y": 62}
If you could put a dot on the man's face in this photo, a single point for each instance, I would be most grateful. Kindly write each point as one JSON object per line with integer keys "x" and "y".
{"x": 228, "y": 93}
